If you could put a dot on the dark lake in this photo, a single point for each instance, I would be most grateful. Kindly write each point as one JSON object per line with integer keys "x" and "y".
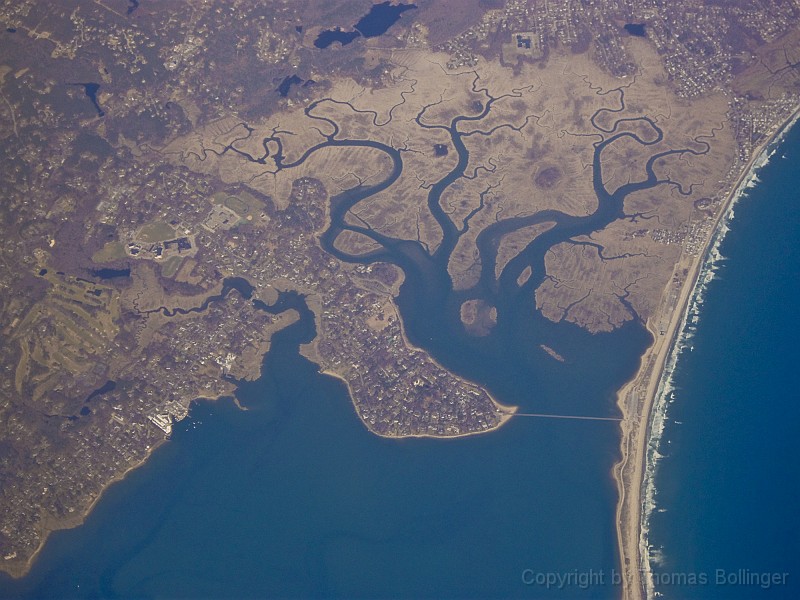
{"x": 381, "y": 17}
{"x": 376, "y": 22}
{"x": 91, "y": 90}
{"x": 287, "y": 83}
{"x": 636, "y": 29}
{"x": 107, "y": 273}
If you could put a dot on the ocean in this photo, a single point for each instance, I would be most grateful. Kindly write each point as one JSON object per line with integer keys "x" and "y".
{"x": 725, "y": 523}
{"x": 295, "y": 498}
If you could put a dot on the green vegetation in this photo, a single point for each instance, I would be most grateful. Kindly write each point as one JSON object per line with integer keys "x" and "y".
{"x": 157, "y": 231}
{"x": 237, "y": 205}
{"x": 170, "y": 266}
{"x": 77, "y": 319}
{"x": 243, "y": 204}
{"x": 111, "y": 251}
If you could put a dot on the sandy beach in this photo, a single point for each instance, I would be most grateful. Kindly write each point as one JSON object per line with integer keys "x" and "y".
{"x": 637, "y": 399}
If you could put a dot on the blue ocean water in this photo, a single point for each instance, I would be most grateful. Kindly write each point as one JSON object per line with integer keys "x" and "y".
{"x": 730, "y": 478}
{"x": 295, "y": 498}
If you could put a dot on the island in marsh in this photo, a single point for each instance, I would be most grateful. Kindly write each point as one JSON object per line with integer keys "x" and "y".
{"x": 478, "y": 317}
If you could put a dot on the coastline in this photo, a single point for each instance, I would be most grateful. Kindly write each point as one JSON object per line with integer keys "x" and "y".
{"x": 507, "y": 412}
{"x": 642, "y": 400}
{"x": 638, "y": 425}
{"x": 20, "y": 569}
{"x": 17, "y": 569}
{"x": 310, "y": 352}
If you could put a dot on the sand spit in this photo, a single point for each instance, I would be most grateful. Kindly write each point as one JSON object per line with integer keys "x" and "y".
{"x": 645, "y": 399}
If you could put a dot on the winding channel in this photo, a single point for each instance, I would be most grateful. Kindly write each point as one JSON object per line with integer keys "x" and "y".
{"x": 427, "y": 300}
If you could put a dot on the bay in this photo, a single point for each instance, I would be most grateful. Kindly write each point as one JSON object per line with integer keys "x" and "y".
{"x": 294, "y": 497}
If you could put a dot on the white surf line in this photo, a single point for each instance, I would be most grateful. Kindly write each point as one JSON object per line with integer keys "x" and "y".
{"x": 567, "y": 417}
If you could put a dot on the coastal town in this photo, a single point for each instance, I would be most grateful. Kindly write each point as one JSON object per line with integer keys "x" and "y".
{"x": 156, "y": 222}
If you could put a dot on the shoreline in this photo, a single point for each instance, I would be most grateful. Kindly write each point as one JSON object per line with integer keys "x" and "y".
{"x": 639, "y": 398}
{"x": 632, "y": 472}
{"x": 49, "y": 526}
{"x": 506, "y": 411}
{"x": 310, "y": 352}
{"x": 19, "y": 569}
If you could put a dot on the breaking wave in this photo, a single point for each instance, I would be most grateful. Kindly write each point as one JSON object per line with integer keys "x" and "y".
{"x": 713, "y": 260}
